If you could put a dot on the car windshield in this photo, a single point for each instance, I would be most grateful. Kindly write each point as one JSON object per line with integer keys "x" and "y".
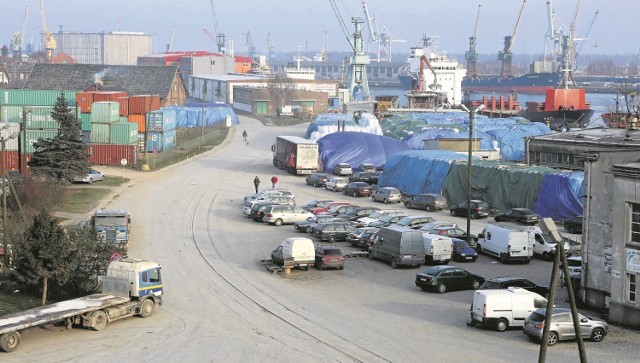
{"x": 536, "y": 317}
{"x": 491, "y": 285}
{"x": 375, "y": 215}
{"x": 335, "y": 208}
{"x": 332, "y": 252}
{"x": 461, "y": 244}
{"x": 323, "y": 204}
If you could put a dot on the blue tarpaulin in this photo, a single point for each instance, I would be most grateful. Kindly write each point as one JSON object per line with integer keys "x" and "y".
{"x": 215, "y": 114}
{"x": 356, "y": 148}
{"x": 560, "y": 195}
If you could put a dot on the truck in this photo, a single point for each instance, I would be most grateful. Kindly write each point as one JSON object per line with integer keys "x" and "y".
{"x": 399, "y": 246}
{"x": 112, "y": 225}
{"x": 130, "y": 287}
{"x": 296, "y": 155}
{"x": 507, "y": 241}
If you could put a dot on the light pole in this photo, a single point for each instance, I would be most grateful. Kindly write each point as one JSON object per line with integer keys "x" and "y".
{"x": 471, "y": 115}
{"x": 5, "y": 187}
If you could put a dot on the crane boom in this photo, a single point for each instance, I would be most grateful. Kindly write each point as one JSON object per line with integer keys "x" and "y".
{"x": 343, "y": 26}
{"x": 18, "y": 38}
{"x": 48, "y": 41}
{"x": 586, "y": 34}
{"x": 472, "y": 54}
{"x": 220, "y": 38}
{"x": 506, "y": 56}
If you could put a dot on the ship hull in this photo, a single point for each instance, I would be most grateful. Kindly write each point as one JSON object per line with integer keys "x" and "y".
{"x": 560, "y": 119}
{"x": 528, "y": 83}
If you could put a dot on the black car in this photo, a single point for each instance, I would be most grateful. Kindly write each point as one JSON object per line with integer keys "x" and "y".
{"x": 304, "y": 226}
{"x": 355, "y": 213}
{"x": 366, "y": 239}
{"x": 338, "y": 209}
{"x": 357, "y": 189}
{"x": 362, "y": 176}
{"x": 386, "y": 221}
{"x": 333, "y": 231}
{"x": 462, "y": 251}
{"x": 511, "y": 281}
{"x": 573, "y": 225}
{"x": 478, "y": 209}
{"x": 367, "y": 167}
{"x": 455, "y": 232}
{"x": 257, "y": 210}
{"x": 444, "y": 278}
{"x": 518, "y": 215}
{"x": 428, "y": 202}
{"x": 317, "y": 179}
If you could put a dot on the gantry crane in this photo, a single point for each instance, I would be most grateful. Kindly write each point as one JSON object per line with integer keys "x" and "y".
{"x": 48, "y": 41}
{"x": 271, "y": 49}
{"x": 358, "y": 82}
{"x": 382, "y": 38}
{"x": 249, "y": 48}
{"x": 505, "y": 55}
{"x": 472, "y": 54}
{"x": 18, "y": 38}
{"x": 220, "y": 38}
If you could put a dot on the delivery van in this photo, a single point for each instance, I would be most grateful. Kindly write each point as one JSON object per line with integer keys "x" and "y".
{"x": 437, "y": 248}
{"x": 507, "y": 241}
{"x": 398, "y": 246}
{"x": 504, "y": 308}
{"x": 295, "y": 252}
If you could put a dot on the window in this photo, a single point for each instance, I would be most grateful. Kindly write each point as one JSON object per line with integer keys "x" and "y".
{"x": 635, "y": 222}
{"x": 632, "y": 285}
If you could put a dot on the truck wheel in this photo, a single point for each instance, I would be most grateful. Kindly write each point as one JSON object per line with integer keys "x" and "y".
{"x": 428, "y": 208}
{"x": 394, "y": 263}
{"x": 100, "y": 320}
{"x": 502, "y": 325}
{"x": 146, "y": 308}
{"x": 9, "y": 341}
{"x": 278, "y": 222}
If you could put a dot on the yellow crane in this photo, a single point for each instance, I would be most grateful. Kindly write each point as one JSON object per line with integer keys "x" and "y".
{"x": 48, "y": 41}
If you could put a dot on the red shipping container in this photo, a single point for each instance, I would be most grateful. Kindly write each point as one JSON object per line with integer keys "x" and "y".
{"x": 139, "y": 119}
{"x": 108, "y": 95}
{"x": 84, "y": 101}
{"x": 11, "y": 160}
{"x": 24, "y": 167}
{"x": 141, "y": 104}
{"x": 111, "y": 154}
{"x": 124, "y": 105}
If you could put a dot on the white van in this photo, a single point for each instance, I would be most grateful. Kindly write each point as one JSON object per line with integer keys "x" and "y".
{"x": 544, "y": 246}
{"x": 437, "y": 249}
{"x": 502, "y": 308}
{"x": 295, "y": 252}
{"x": 507, "y": 241}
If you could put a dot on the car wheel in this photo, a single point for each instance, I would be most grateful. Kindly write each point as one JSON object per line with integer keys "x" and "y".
{"x": 597, "y": 335}
{"x": 407, "y": 205}
{"x": 332, "y": 239}
{"x": 552, "y": 339}
{"x": 385, "y": 201}
{"x": 503, "y": 258}
{"x": 442, "y": 288}
{"x": 546, "y": 256}
{"x": 474, "y": 215}
{"x": 452, "y": 212}
{"x": 334, "y": 189}
{"x": 394, "y": 263}
{"x": 370, "y": 255}
{"x": 373, "y": 199}
{"x": 342, "y": 267}
{"x": 475, "y": 284}
{"x": 355, "y": 195}
{"x": 502, "y": 325}
{"x": 278, "y": 222}
{"x": 571, "y": 229}
{"x": 90, "y": 181}
{"x": 320, "y": 266}
{"x": 428, "y": 208}
{"x": 315, "y": 184}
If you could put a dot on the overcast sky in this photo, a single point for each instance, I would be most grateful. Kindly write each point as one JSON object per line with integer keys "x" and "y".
{"x": 302, "y": 23}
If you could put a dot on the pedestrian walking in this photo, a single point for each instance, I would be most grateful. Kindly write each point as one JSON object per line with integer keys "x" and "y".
{"x": 274, "y": 181}
{"x": 256, "y": 183}
{"x": 244, "y": 135}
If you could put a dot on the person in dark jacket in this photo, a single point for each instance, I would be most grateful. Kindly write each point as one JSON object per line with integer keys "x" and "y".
{"x": 244, "y": 135}
{"x": 256, "y": 183}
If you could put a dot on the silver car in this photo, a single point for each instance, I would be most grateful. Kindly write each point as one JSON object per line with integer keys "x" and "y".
{"x": 342, "y": 169}
{"x": 336, "y": 184}
{"x": 387, "y": 195}
{"x": 91, "y": 177}
{"x": 285, "y": 214}
{"x": 562, "y": 326}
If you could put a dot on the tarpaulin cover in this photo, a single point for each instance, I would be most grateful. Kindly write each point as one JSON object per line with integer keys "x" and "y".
{"x": 326, "y": 124}
{"x": 356, "y": 148}
{"x": 215, "y": 114}
{"x": 503, "y": 185}
{"x": 418, "y": 171}
{"x": 560, "y": 195}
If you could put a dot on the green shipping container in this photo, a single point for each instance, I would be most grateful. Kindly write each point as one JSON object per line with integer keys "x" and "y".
{"x": 105, "y": 112}
{"x": 124, "y": 133}
{"x": 85, "y": 120}
{"x": 33, "y": 135}
{"x": 100, "y": 133}
{"x": 38, "y": 117}
{"x": 11, "y": 114}
{"x": 33, "y": 97}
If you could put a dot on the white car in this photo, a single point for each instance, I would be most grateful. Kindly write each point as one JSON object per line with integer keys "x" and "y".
{"x": 342, "y": 169}
{"x": 336, "y": 184}
{"x": 92, "y": 176}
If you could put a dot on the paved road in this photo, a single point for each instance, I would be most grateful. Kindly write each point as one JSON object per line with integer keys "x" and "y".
{"x": 222, "y": 305}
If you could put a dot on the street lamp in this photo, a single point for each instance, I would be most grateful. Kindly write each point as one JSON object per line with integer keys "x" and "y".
{"x": 5, "y": 187}
{"x": 471, "y": 115}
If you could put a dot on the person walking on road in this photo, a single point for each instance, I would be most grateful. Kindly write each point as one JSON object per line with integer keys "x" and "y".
{"x": 244, "y": 135}
{"x": 256, "y": 183}
{"x": 274, "y": 181}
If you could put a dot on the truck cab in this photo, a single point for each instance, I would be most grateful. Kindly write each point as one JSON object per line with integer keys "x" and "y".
{"x": 112, "y": 225}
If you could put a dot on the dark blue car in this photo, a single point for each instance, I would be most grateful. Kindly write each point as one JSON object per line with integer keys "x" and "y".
{"x": 462, "y": 251}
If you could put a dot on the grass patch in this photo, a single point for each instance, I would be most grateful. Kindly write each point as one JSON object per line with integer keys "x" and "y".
{"x": 82, "y": 200}
{"x": 11, "y": 302}
{"x": 112, "y": 181}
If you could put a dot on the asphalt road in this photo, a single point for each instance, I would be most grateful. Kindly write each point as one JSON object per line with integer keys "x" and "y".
{"x": 221, "y": 304}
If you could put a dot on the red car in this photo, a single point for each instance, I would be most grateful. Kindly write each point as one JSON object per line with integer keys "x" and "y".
{"x": 326, "y": 207}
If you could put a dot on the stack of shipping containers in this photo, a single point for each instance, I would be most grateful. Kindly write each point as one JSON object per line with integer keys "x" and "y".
{"x": 161, "y": 131}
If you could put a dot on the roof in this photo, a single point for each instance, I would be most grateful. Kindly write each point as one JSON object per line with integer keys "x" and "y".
{"x": 137, "y": 80}
{"x": 618, "y": 138}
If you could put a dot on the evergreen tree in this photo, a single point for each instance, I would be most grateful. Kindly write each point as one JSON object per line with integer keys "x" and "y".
{"x": 44, "y": 254}
{"x": 63, "y": 157}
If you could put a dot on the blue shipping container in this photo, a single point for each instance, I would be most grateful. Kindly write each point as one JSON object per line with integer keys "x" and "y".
{"x": 161, "y": 141}
{"x": 161, "y": 121}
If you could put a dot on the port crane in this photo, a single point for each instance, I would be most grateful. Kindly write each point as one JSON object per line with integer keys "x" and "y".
{"x": 358, "y": 82}
{"x": 220, "y": 38}
{"x": 382, "y": 38}
{"x": 271, "y": 48}
{"x": 472, "y": 54}
{"x": 18, "y": 38}
{"x": 48, "y": 41}
{"x": 506, "y": 56}
{"x": 249, "y": 48}
{"x": 170, "y": 45}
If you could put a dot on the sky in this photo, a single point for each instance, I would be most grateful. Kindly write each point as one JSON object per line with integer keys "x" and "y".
{"x": 300, "y": 25}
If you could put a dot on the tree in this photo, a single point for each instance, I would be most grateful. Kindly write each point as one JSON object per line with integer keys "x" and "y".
{"x": 64, "y": 157}
{"x": 44, "y": 254}
{"x": 281, "y": 89}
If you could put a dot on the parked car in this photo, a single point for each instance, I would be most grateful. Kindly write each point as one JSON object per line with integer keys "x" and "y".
{"x": 518, "y": 215}
{"x": 326, "y": 206}
{"x": 333, "y": 231}
{"x": 368, "y": 167}
{"x": 505, "y": 282}
{"x": 363, "y": 176}
{"x": 462, "y": 252}
{"x": 428, "y": 227}
{"x": 573, "y": 225}
{"x": 336, "y": 184}
{"x": 315, "y": 203}
{"x": 561, "y": 327}
{"x": 357, "y": 189}
{"x": 574, "y": 264}
{"x": 92, "y": 176}
{"x": 414, "y": 222}
{"x": 342, "y": 169}
{"x": 366, "y": 239}
{"x": 257, "y": 210}
{"x": 303, "y": 226}
{"x": 354, "y": 213}
{"x": 387, "y": 195}
{"x": 365, "y": 221}
{"x": 443, "y": 278}
{"x": 455, "y": 232}
{"x": 428, "y": 202}
{"x": 329, "y": 256}
{"x": 338, "y": 209}
{"x": 478, "y": 209}
{"x": 354, "y": 236}
{"x": 386, "y": 220}
{"x": 317, "y": 179}
{"x": 331, "y": 219}
{"x": 264, "y": 194}
{"x": 284, "y": 214}
{"x": 282, "y": 200}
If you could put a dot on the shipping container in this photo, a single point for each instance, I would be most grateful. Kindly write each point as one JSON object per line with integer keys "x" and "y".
{"x": 33, "y": 135}
{"x": 11, "y": 159}
{"x": 140, "y": 120}
{"x": 84, "y": 101}
{"x": 141, "y": 104}
{"x": 38, "y": 117}
{"x": 110, "y": 154}
{"x": 105, "y": 112}
{"x": 86, "y": 137}
{"x": 100, "y": 133}
{"x": 124, "y": 133}
{"x": 141, "y": 141}
{"x": 124, "y": 105}
{"x": 32, "y": 97}
{"x": 11, "y": 134}
{"x": 99, "y": 96}
{"x": 24, "y": 164}
{"x": 12, "y": 114}
{"x": 85, "y": 120}
{"x": 161, "y": 141}
{"x": 161, "y": 121}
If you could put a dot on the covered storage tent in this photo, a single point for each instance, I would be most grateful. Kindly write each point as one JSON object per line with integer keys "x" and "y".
{"x": 560, "y": 195}
{"x": 215, "y": 114}
{"x": 326, "y": 124}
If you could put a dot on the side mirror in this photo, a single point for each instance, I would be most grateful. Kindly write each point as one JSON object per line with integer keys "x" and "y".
{"x": 584, "y": 320}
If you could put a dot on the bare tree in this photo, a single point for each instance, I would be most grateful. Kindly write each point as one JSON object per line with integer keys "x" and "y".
{"x": 624, "y": 106}
{"x": 281, "y": 90}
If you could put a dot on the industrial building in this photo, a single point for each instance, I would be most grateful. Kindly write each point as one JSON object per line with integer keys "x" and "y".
{"x": 113, "y": 48}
